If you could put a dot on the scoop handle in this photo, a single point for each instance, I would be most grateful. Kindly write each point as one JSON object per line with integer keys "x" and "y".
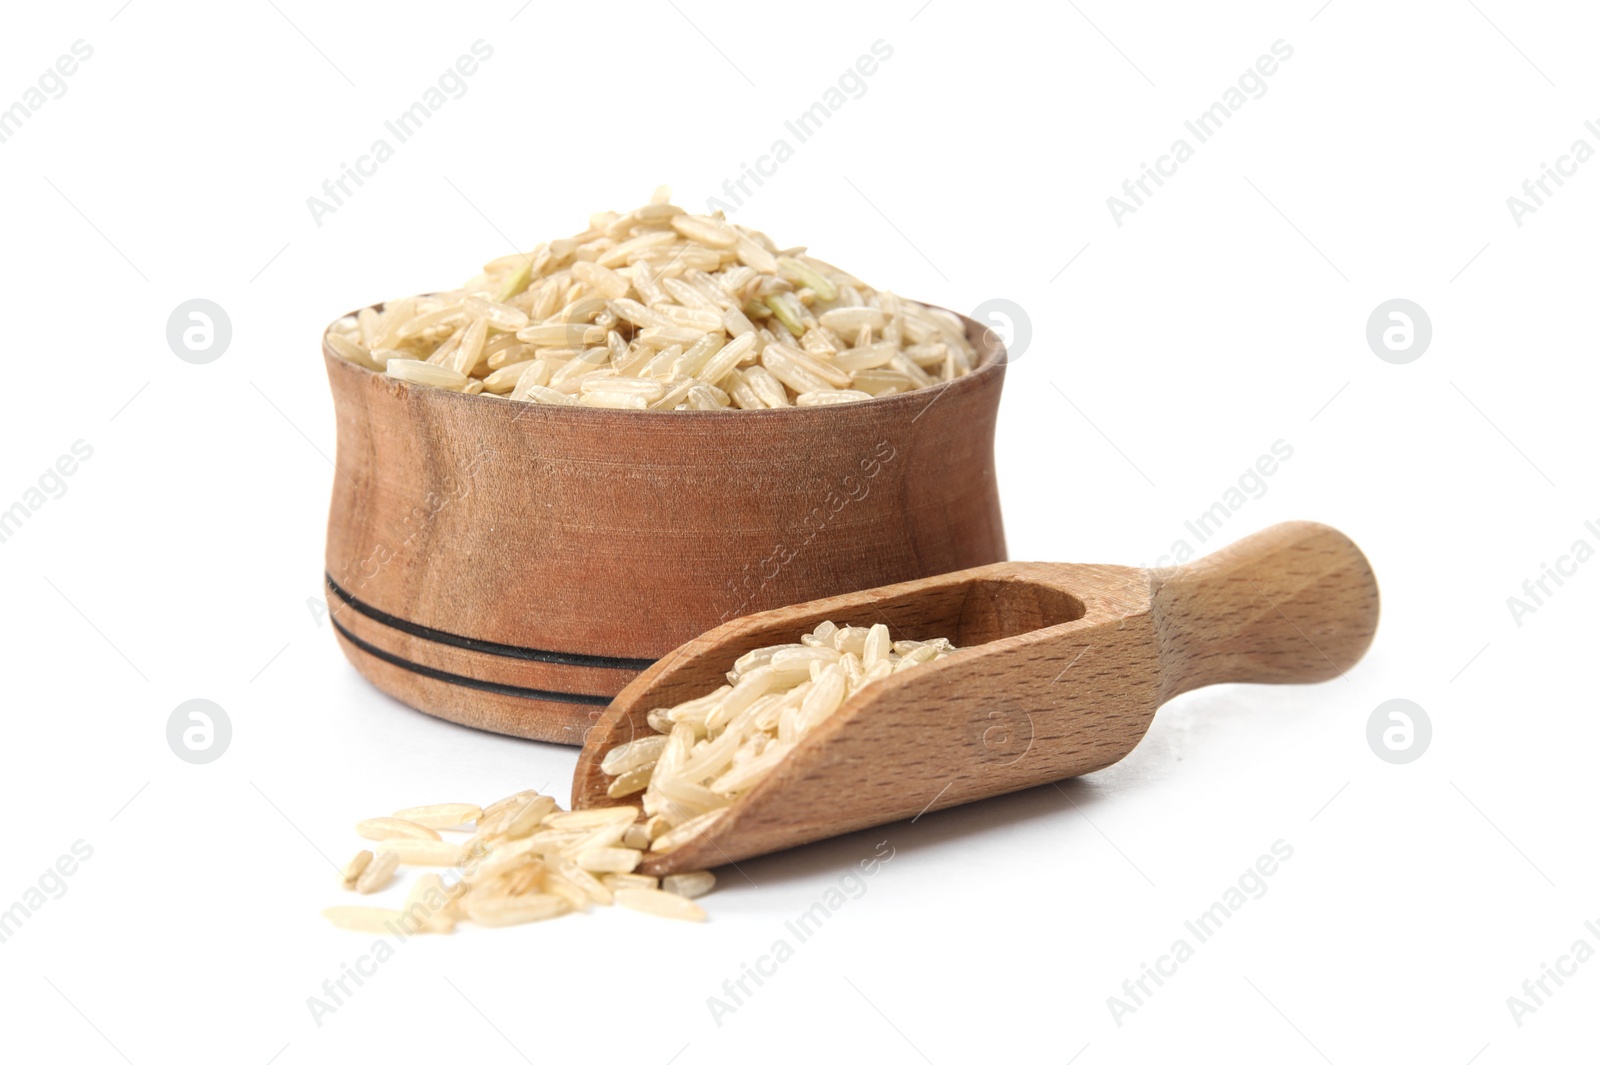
{"x": 1293, "y": 603}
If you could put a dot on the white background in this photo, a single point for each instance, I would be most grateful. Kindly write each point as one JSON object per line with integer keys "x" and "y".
{"x": 1227, "y": 313}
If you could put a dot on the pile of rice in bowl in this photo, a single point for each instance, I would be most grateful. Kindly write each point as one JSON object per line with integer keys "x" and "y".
{"x": 660, "y": 309}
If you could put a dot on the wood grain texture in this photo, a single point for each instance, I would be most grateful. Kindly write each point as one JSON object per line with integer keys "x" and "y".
{"x": 560, "y": 549}
{"x": 1061, "y": 670}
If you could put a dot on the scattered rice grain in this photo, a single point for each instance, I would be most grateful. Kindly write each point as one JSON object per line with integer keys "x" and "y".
{"x": 660, "y": 903}
{"x": 393, "y": 828}
{"x": 421, "y": 851}
{"x": 441, "y": 815}
{"x": 377, "y": 873}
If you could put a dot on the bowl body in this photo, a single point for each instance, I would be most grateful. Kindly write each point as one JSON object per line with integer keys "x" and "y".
{"x": 511, "y": 566}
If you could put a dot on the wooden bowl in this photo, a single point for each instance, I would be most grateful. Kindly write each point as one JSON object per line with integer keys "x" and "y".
{"x": 512, "y": 566}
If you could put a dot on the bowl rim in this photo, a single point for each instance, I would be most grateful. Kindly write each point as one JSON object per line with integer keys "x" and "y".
{"x": 992, "y": 365}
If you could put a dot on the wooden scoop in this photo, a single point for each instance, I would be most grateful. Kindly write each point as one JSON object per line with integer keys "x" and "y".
{"x": 1061, "y": 670}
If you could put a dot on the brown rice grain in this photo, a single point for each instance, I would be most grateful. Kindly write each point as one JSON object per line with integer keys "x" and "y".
{"x": 689, "y": 885}
{"x": 503, "y": 912}
{"x": 378, "y": 872}
{"x": 617, "y": 881}
{"x": 353, "y": 868}
{"x": 364, "y": 918}
{"x": 608, "y": 859}
{"x": 441, "y": 815}
{"x": 421, "y": 851}
{"x": 660, "y": 903}
{"x": 393, "y": 828}
{"x": 593, "y": 818}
